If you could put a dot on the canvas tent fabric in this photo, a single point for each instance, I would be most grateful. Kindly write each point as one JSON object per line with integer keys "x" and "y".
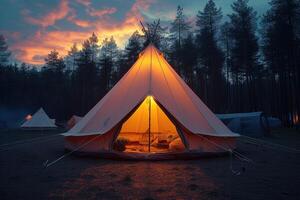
{"x": 39, "y": 120}
{"x": 238, "y": 115}
{"x": 254, "y": 124}
{"x": 72, "y": 121}
{"x": 150, "y": 77}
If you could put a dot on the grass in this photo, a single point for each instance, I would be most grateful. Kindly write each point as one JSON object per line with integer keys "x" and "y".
{"x": 286, "y": 136}
{"x": 286, "y": 131}
{"x": 13, "y": 135}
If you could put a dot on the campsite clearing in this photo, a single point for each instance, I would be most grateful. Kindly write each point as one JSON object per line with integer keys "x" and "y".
{"x": 274, "y": 174}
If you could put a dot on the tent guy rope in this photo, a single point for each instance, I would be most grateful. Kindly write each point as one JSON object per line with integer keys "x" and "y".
{"x": 240, "y": 156}
{"x": 236, "y": 153}
{"x": 47, "y": 164}
{"x": 29, "y": 140}
{"x": 46, "y": 139}
{"x": 269, "y": 144}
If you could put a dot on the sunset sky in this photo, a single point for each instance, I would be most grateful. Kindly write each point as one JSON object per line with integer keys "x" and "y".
{"x": 34, "y": 28}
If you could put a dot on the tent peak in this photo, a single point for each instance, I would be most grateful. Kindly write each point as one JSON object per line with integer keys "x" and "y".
{"x": 151, "y": 75}
{"x": 41, "y": 110}
{"x": 152, "y": 47}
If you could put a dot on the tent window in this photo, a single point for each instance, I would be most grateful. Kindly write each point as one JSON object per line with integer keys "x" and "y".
{"x": 148, "y": 130}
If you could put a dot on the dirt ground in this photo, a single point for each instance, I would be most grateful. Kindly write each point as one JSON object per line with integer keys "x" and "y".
{"x": 273, "y": 174}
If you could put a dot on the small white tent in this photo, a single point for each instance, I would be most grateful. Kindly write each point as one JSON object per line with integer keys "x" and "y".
{"x": 39, "y": 121}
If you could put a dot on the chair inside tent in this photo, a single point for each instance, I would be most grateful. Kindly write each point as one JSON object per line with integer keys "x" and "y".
{"x": 148, "y": 129}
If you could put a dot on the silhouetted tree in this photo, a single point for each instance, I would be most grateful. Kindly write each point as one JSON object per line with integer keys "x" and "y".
{"x": 108, "y": 61}
{"x": 244, "y": 52}
{"x": 131, "y": 53}
{"x": 179, "y": 31}
{"x": 210, "y": 55}
{"x": 179, "y": 27}
{"x": 154, "y": 33}
{"x": 189, "y": 59}
{"x": 227, "y": 43}
{"x": 87, "y": 76}
{"x": 71, "y": 58}
{"x": 54, "y": 84}
{"x": 281, "y": 48}
{"x": 4, "y": 52}
{"x": 249, "y": 79}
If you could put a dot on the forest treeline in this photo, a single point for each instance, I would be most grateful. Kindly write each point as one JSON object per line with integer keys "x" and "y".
{"x": 240, "y": 62}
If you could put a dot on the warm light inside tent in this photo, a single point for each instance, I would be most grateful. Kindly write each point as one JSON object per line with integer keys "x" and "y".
{"x": 148, "y": 129}
{"x": 28, "y": 117}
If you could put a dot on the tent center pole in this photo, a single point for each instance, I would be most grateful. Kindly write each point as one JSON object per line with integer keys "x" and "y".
{"x": 149, "y": 124}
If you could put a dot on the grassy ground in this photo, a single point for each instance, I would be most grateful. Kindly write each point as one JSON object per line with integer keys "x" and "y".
{"x": 15, "y": 135}
{"x": 285, "y": 135}
{"x": 273, "y": 174}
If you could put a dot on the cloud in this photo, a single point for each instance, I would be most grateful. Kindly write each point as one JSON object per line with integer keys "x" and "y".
{"x": 140, "y": 5}
{"x": 50, "y": 18}
{"x": 38, "y": 58}
{"x": 39, "y": 45}
{"x": 79, "y": 22}
{"x": 35, "y": 48}
{"x": 82, "y": 23}
{"x": 94, "y": 12}
{"x": 84, "y": 2}
{"x": 11, "y": 35}
{"x": 91, "y": 12}
{"x": 102, "y": 12}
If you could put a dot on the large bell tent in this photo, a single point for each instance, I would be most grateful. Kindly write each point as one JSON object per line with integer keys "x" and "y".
{"x": 151, "y": 110}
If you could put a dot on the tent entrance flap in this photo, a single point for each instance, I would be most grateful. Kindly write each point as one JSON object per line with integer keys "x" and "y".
{"x": 148, "y": 130}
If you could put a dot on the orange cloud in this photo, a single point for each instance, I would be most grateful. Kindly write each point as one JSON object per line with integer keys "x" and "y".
{"x": 84, "y": 2}
{"x": 36, "y": 48}
{"x": 92, "y": 12}
{"x": 81, "y": 23}
{"x": 100, "y": 13}
{"x": 50, "y": 18}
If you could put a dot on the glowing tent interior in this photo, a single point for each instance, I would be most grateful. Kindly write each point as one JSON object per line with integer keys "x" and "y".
{"x": 148, "y": 130}
{"x": 151, "y": 110}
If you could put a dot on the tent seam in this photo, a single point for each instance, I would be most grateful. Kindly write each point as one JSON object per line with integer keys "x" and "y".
{"x": 126, "y": 92}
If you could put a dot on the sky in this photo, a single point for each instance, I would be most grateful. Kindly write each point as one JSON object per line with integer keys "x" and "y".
{"x": 33, "y": 28}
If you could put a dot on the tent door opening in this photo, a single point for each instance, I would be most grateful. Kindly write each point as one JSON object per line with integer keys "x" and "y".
{"x": 148, "y": 130}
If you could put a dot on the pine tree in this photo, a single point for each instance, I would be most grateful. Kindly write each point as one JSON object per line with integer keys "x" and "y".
{"x": 189, "y": 59}
{"x": 108, "y": 61}
{"x": 4, "y": 52}
{"x": 54, "y": 84}
{"x": 131, "y": 53}
{"x": 86, "y": 76}
{"x": 71, "y": 57}
{"x": 94, "y": 47}
{"x": 179, "y": 27}
{"x": 54, "y": 62}
{"x": 227, "y": 43}
{"x": 281, "y": 49}
{"x": 244, "y": 50}
{"x": 154, "y": 33}
{"x": 210, "y": 55}
{"x": 179, "y": 31}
